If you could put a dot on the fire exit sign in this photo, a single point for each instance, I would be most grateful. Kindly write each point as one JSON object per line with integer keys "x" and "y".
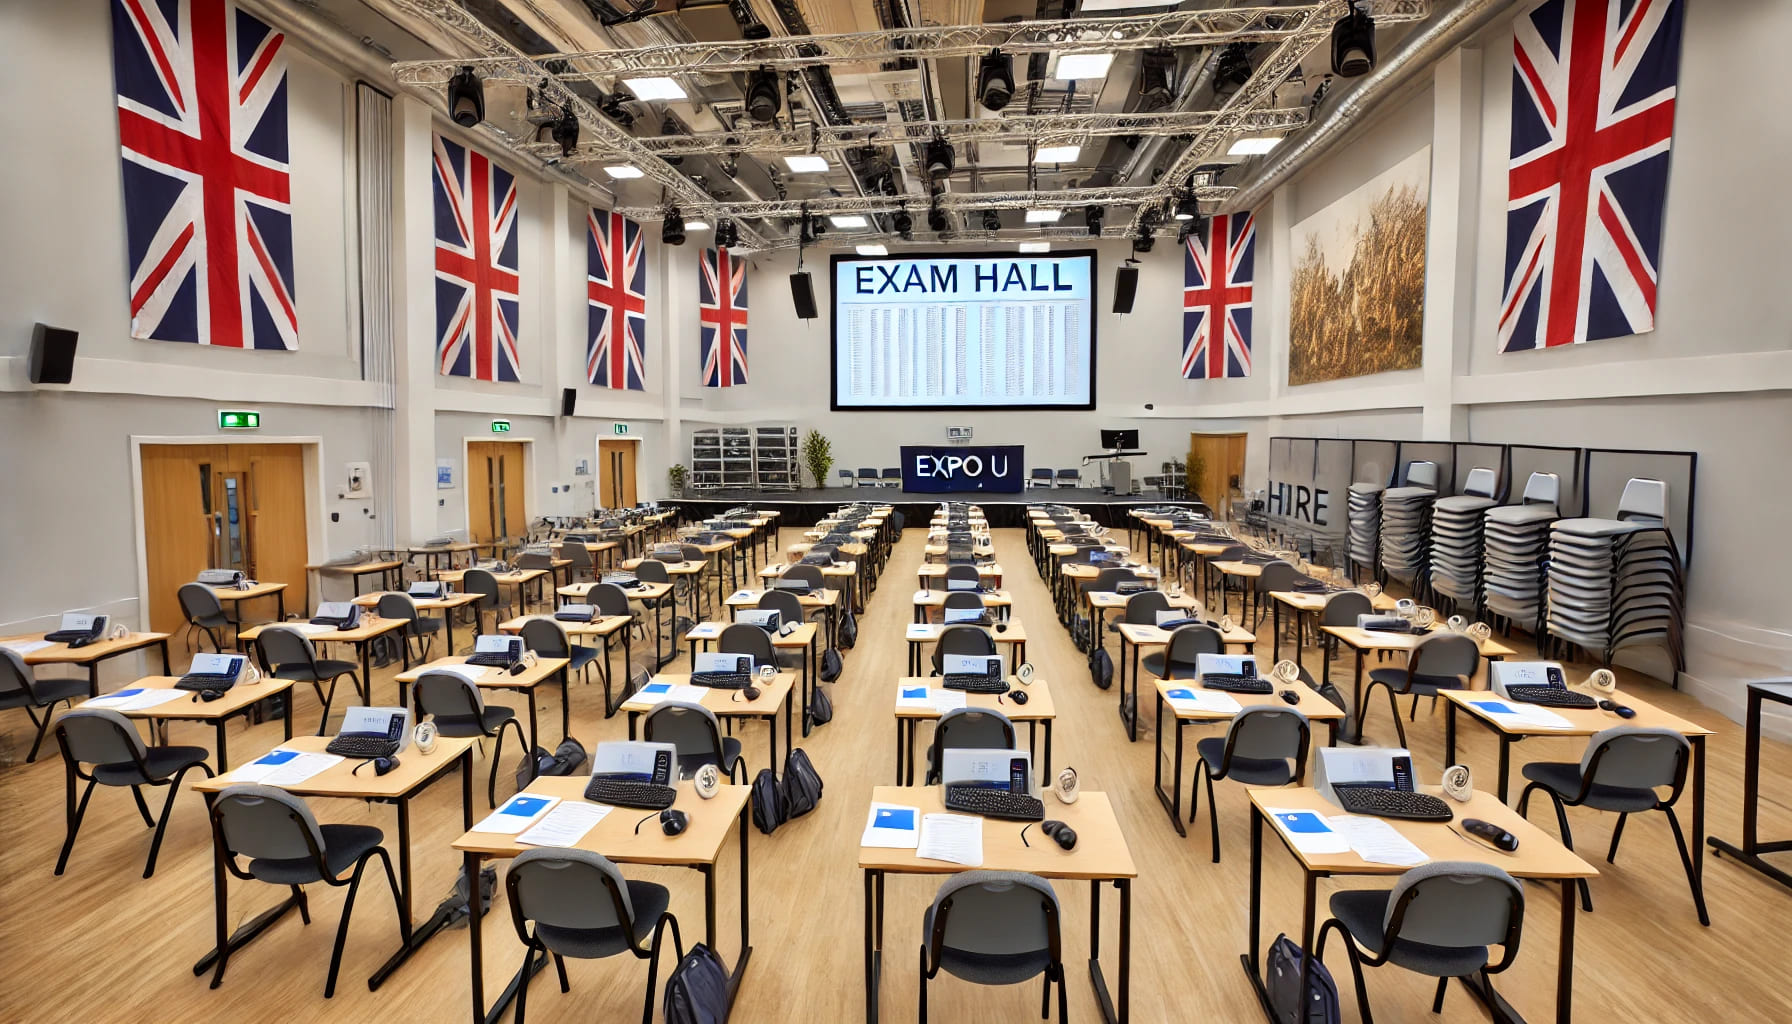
{"x": 239, "y": 419}
{"x": 619, "y": 428}
{"x": 500, "y": 426}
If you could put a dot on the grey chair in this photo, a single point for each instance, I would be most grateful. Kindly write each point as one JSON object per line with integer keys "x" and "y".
{"x": 1264, "y": 746}
{"x": 200, "y": 604}
{"x": 846, "y": 478}
{"x": 610, "y": 599}
{"x": 1177, "y": 659}
{"x": 1142, "y": 608}
{"x": 746, "y": 638}
{"x": 892, "y": 477}
{"x": 961, "y": 639}
{"x": 285, "y": 845}
{"x": 420, "y": 628}
{"x": 994, "y": 928}
{"x": 652, "y": 570}
{"x": 697, "y": 734}
{"x": 1040, "y": 478}
{"x": 1441, "y": 661}
{"x": 491, "y": 597}
{"x": 1274, "y": 576}
{"x": 1109, "y": 579}
{"x": 460, "y": 710}
{"x": 289, "y": 654}
{"x": 962, "y": 599}
{"x": 1341, "y": 609}
{"x": 582, "y": 907}
{"x": 1069, "y": 477}
{"x": 535, "y": 560}
{"x": 790, "y": 609}
{"x": 20, "y": 688}
{"x": 964, "y": 572}
{"x": 867, "y": 477}
{"x": 580, "y": 556}
{"x": 548, "y": 639}
{"x": 106, "y": 740}
{"x": 811, "y": 575}
{"x": 1621, "y": 771}
{"x": 974, "y": 728}
{"x": 1438, "y": 920}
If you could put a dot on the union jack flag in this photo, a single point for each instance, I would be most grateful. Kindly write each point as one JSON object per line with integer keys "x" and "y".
{"x": 476, "y": 270}
{"x": 202, "y": 124}
{"x": 616, "y": 289}
{"x": 1593, "y": 84}
{"x": 722, "y": 302}
{"x": 1218, "y": 267}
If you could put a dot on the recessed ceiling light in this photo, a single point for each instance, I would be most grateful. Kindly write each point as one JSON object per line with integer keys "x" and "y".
{"x": 1035, "y": 247}
{"x": 873, "y": 250}
{"x": 1253, "y": 146}
{"x": 696, "y": 224}
{"x": 1044, "y": 216}
{"x": 655, "y": 88}
{"x": 1056, "y": 154}
{"x": 624, "y": 171}
{"x": 807, "y": 163}
{"x": 1072, "y": 66}
{"x": 848, "y": 220}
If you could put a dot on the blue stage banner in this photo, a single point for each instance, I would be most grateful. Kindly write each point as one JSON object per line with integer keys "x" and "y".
{"x": 934, "y": 469}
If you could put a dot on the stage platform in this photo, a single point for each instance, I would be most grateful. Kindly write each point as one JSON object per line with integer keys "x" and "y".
{"x": 806, "y": 507}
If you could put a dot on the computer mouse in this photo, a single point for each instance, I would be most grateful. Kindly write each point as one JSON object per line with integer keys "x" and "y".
{"x": 210, "y": 695}
{"x": 1493, "y": 834}
{"x": 1001, "y": 627}
{"x": 673, "y": 821}
{"x": 518, "y": 668}
{"x": 1063, "y": 834}
{"x": 1290, "y": 696}
{"x": 1621, "y": 710}
{"x": 1018, "y": 696}
{"x": 749, "y": 693}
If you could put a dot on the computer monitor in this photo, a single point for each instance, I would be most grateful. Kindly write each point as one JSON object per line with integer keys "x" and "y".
{"x": 1119, "y": 440}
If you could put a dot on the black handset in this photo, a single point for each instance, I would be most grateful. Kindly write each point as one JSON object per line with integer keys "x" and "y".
{"x": 1556, "y": 680}
{"x": 744, "y": 663}
{"x": 992, "y": 669}
{"x": 1403, "y": 774}
{"x": 662, "y": 768}
{"x": 1017, "y": 775}
{"x": 395, "y": 728}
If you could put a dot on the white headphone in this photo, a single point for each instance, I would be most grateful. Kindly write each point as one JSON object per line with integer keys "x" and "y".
{"x": 1066, "y": 786}
{"x": 707, "y": 781}
{"x": 1458, "y": 783}
{"x": 1286, "y": 670}
{"x": 1603, "y": 682}
{"x": 425, "y": 736}
{"x": 118, "y": 631}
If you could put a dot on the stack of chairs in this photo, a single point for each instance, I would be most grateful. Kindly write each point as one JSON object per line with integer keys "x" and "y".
{"x": 1514, "y": 541}
{"x": 1365, "y": 524}
{"x": 1456, "y": 526}
{"x": 1615, "y": 583}
{"x": 1405, "y": 533}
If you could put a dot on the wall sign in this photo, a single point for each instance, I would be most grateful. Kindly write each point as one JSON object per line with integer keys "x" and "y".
{"x": 500, "y": 426}
{"x": 619, "y": 429}
{"x": 1309, "y": 484}
{"x": 933, "y": 469}
{"x": 239, "y": 419}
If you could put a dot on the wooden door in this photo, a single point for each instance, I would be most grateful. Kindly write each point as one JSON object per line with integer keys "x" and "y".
{"x": 177, "y": 523}
{"x": 616, "y": 474}
{"x": 278, "y": 546}
{"x": 1215, "y": 461}
{"x": 495, "y": 485}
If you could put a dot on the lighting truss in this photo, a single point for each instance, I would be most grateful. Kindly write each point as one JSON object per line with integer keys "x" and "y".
{"x": 951, "y": 202}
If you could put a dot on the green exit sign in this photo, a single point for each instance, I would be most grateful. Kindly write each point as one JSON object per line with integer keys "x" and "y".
{"x": 500, "y": 426}
{"x": 239, "y": 419}
{"x": 619, "y": 428}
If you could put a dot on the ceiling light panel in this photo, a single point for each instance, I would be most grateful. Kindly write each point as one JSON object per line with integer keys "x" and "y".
{"x": 848, "y": 220}
{"x": 1253, "y": 146}
{"x": 624, "y": 171}
{"x": 1044, "y": 216}
{"x": 806, "y": 163}
{"x": 1057, "y": 154}
{"x": 655, "y": 88}
{"x": 1073, "y": 66}
{"x": 872, "y": 250}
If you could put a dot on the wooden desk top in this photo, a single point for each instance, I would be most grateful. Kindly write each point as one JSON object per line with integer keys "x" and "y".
{"x": 1070, "y": 549}
{"x": 839, "y": 569}
{"x": 1309, "y": 601}
{"x": 1247, "y": 570}
{"x": 798, "y": 638}
{"x": 515, "y": 577}
{"x": 798, "y": 550}
{"x": 747, "y": 598}
{"x": 615, "y": 836}
{"x": 933, "y": 569}
{"x": 63, "y": 654}
{"x": 1101, "y": 850}
{"x": 370, "y": 627}
{"x": 1012, "y": 632}
{"x": 672, "y": 568}
{"x": 1107, "y": 600}
{"x": 594, "y": 546}
{"x": 492, "y": 678}
{"x": 1376, "y": 640}
{"x": 358, "y": 568}
{"x": 1583, "y": 721}
{"x": 937, "y": 598}
{"x": 1140, "y": 635}
{"x": 1208, "y": 548}
{"x": 454, "y": 548}
{"x": 602, "y": 625}
{"x": 1080, "y": 571}
{"x": 1038, "y": 707}
{"x": 1311, "y": 703}
{"x": 1539, "y": 854}
{"x": 647, "y": 592}
{"x": 192, "y": 709}
{"x": 771, "y": 697}
{"x": 414, "y": 769}
{"x": 424, "y": 604}
{"x": 258, "y": 590}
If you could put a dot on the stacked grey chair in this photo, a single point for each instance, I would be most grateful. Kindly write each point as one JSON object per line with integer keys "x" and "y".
{"x": 1456, "y": 525}
{"x": 1615, "y": 583}
{"x": 1404, "y": 514}
{"x": 1514, "y": 540}
{"x": 1365, "y": 523}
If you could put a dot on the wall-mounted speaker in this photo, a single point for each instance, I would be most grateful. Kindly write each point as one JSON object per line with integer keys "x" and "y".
{"x": 1126, "y": 284}
{"x": 802, "y": 295}
{"x": 52, "y": 355}
{"x": 569, "y": 400}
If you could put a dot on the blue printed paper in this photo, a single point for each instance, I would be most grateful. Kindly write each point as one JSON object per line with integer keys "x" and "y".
{"x": 277, "y": 757}
{"x": 896, "y": 818}
{"x": 134, "y": 691}
{"x": 1493, "y": 707}
{"x": 657, "y": 688}
{"x": 1181, "y": 693}
{"x": 1303, "y": 822}
{"x": 525, "y": 806}
{"x": 914, "y": 693}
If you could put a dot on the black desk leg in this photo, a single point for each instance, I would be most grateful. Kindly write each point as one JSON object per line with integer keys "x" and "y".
{"x": 167, "y": 666}
{"x": 1172, "y": 804}
{"x": 1111, "y": 1013}
{"x": 1505, "y": 764}
{"x": 1565, "y": 956}
{"x": 366, "y": 680}
{"x": 1449, "y": 733}
{"x": 873, "y": 941}
{"x": 746, "y": 945}
{"x": 223, "y": 756}
{"x": 1698, "y": 827}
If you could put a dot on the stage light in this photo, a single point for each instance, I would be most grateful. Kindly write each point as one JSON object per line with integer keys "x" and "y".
{"x": 624, "y": 171}
{"x": 655, "y": 88}
{"x": 1353, "y": 43}
{"x": 1253, "y": 146}
{"x": 672, "y": 229}
{"x": 1187, "y": 208}
{"x": 764, "y": 95}
{"x": 1057, "y": 154}
{"x": 1073, "y": 66}
{"x": 727, "y": 234}
{"x": 939, "y": 158}
{"x": 1044, "y": 216}
{"x": 806, "y": 163}
{"x": 992, "y": 221}
{"x": 1143, "y": 241}
{"x": 936, "y": 219}
{"x": 614, "y": 110}
{"x": 1157, "y": 68}
{"x": 1092, "y": 217}
{"x": 995, "y": 80}
{"x": 466, "y": 98}
{"x": 566, "y": 132}
{"x": 874, "y": 249}
{"x": 904, "y": 225}
{"x": 1234, "y": 69}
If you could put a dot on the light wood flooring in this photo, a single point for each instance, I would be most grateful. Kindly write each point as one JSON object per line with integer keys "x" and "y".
{"x": 102, "y": 944}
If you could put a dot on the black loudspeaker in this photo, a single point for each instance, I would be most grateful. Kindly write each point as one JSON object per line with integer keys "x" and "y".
{"x": 802, "y": 295}
{"x": 52, "y": 355}
{"x": 1126, "y": 282}
{"x": 569, "y": 399}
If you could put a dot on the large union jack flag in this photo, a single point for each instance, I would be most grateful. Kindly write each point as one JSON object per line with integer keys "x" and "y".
{"x": 722, "y": 302}
{"x": 1593, "y": 84}
{"x": 1218, "y": 266}
{"x": 202, "y": 124}
{"x": 616, "y": 290}
{"x": 476, "y": 270}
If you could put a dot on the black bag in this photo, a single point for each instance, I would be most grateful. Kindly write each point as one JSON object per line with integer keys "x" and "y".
{"x": 768, "y": 802}
{"x": 821, "y": 709}
{"x": 1101, "y": 668}
{"x": 1329, "y": 690}
{"x": 1079, "y": 631}
{"x": 802, "y": 785}
{"x": 697, "y": 991}
{"x": 847, "y": 632}
{"x": 1320, "y": 1002}
{"x": 831, "y": 664}
{"x": 453, "y": 910}
{"x": 567, "y": 758}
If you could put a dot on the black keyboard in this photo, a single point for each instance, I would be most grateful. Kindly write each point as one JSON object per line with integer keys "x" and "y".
{"x": 1392, "y": 803}
{"x": 584, "y": 616}
{"x": 492, "y": 659}
{"x": 1550, "y": 696}
{"x": 794, "y": 586}
{"x": 972, "y": 682}
{"x": 217, "y": 681}
{"x": 1390, "y": 626}
{"x": 1235, "y": 683}
{"x": 977, "y": 620}
{"x": 722, "y": 680}
{"x": 68, "y": 636}
{"x": 644, "y": 796}
{"x": 362, "y": 745}
{"x": 994, "y": 803}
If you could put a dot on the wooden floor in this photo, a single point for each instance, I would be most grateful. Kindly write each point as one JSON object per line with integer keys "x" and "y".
{"x": 102, "y": 944}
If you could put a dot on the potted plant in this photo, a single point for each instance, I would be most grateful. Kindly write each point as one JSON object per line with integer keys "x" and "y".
{"x": 675, "y": 475}
{"x": 818, "y": 456}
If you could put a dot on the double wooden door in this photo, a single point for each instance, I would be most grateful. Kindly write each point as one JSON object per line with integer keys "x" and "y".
{"x": 495, "y": 488}
{"x": 616, "y": 474}
{"x": 1215, "y": 465}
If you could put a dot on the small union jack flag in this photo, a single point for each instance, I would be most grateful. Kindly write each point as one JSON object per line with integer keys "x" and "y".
{"x": 1593, "y": 85}
{"x": 616, "y": 290}
{"x": 202, "y": 123}
{"x": 722, "y": 306}
{"x": 1218, "y": 265}
{"x": 476, "y": 270}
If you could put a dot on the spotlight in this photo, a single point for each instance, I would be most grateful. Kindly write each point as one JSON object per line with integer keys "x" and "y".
{"x": 936, "y": 219}
{"x": 764, "y": 95}
{"x": 904, "y": 225}
{"x": 614, "y": 110}
{"x": 1156, "y": 70}
{"x": 995, "y": 80}
{"x": 672, "y": 229}
{"x": 466, "y": 98}
{"x": 939, "y": 158}
{"x": 1353, "y": 43}
{"x": 1092, "y": 216}
{"x": 810, "y": 231}
{"x": 1234, "y": 69}
{"x": 1143, "y": 241}
{"x": 1187, "y": 209}
{"x": 992, "y": 221}
{"x": 566, "y": 132}
{"x": 727, "y": 235}
{"x": 669, "y": 126}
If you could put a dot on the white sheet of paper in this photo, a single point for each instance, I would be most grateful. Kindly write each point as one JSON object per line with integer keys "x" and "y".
{"x": 516, "y": 814}
{"x": 309, "y": 628}
{"x": 920, "y": 631}
{"x": 957, "y": 838}
{"x": 153, "y": 698}
{"x": 26, "y": 646}
{"x": 709, "y": 629}
{"x": 565, "y": 825}
{"x": 651, "y": 695}
{"x": 914, "y": 697}
{"x": 1215, "y": 701}
{"x": 1520, "y": 713}
{"x": 893, "y": 827}
{"x": 946, "y": 700}
{"x": 471, "y": 673}
{"x": 276, "y": 769}
{"x": 1376, "y": 841}
{"x": 1329, "y": 840}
